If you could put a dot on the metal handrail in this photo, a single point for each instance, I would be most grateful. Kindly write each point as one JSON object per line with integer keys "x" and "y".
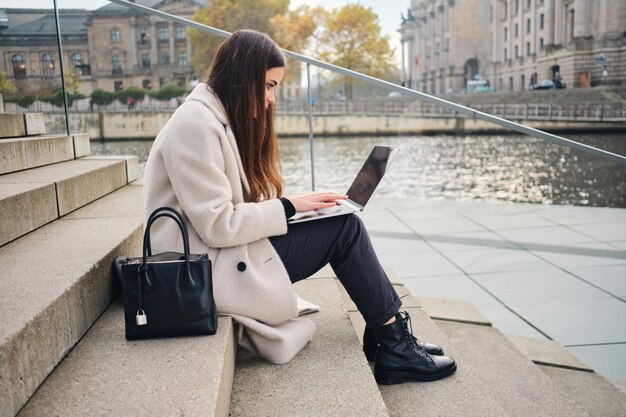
{"x": 471, "y": 113}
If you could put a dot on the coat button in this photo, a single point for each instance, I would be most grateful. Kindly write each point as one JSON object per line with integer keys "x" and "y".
{"x": 241, "y": 266}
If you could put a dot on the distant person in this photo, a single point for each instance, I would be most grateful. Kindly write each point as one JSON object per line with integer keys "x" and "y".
{"x": 216, "y": 160}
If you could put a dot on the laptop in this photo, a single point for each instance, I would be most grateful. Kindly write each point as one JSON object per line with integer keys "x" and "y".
{"x": 360, "y": 191}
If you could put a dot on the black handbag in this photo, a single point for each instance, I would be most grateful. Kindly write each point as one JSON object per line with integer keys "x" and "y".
{"x": 167, "y": 294}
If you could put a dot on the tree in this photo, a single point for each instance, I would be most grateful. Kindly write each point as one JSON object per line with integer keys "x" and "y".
{"x": 293, "y": 31}
{"x": 6, "y": 86}
{"x": 351, "y": 39}
{"x": 72, "y": 82}
{"x": 230, "y": 15}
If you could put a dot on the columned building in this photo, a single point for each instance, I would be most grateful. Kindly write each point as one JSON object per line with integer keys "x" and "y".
{"x": 131, "y": 48}
{"x": 445, "y": 44}
{"x": 580, "y": 43}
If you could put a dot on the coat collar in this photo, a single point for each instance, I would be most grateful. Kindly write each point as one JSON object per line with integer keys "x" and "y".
{"x": 204, "y": 94}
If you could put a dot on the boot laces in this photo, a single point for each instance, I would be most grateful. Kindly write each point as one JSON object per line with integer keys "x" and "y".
{"x": 408, "y": 334}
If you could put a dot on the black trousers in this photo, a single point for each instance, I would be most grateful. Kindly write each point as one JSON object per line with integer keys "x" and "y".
{"x": 343, "y": 242}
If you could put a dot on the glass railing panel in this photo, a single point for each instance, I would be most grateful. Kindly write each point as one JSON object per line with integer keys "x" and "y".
{"x": 30, "y": 69}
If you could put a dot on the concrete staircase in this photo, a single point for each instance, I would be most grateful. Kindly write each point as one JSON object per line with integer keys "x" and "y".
{"x": 63, "y": 352}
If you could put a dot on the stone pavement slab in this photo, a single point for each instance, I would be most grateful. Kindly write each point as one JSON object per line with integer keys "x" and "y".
{"x": 496, "y": 260}
{"x": 420, "y": 264}
{"x": 608, "y": 360}
{"x": 452, "y": 310}
{"x": 583, "y": 254}
{"x": 552, "y": 235}
{"x": 577, "y": 243}
{"x": 611, "y": 279}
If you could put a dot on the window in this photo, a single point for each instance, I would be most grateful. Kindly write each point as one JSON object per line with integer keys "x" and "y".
{"x": 47, "y": 62}
{"x": 19, "y": 66}
{"x": 505, "y": 10}
{"x": 145, "y": 61}
{"x": 147, "y": 84}
{"x": 77, "y": 63}
{"x": 115, "y": 35}
{"x": 181, "y": 32}
{"x": 116, "y": 62}
{"x": 506, "y": 34}
{"x": 182, "y": 59}
{"x": 144, "y": 36}
{"x": 516, "y": 30}
{"x": 164, "y": 58}
{"x": 118, "y": 85}
{"x": 527, "y": 25}
{"x": 541, "y": 44}
{"x": 506, "y": 54}
{"x": 516, "y": 52}
{"x": 541, "y": 21}
{"x": 164, "y": 33}
{"x": 523, "y": 82}
{"x": 527, "y": 48}
{"x": 529, "y": 3}
{"x": 511, "y": 83}
{"x": 516, "y": 6}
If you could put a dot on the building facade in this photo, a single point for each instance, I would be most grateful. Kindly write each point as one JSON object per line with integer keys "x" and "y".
{"x": 130, "y": 48}
{"x": 580, "y": 43}
{"x": 445, "y": 44}
{"x": 29, "y": 51}
{"x": 109, "y": 48}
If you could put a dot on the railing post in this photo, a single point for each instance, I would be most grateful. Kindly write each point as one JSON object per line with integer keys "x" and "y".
{"x": 308, "y": 96}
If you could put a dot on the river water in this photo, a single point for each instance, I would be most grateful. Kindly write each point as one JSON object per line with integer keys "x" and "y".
{"x": 506, "y": 168}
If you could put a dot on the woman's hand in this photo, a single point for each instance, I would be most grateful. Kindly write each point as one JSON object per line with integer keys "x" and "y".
{"x": 312, "y": 200}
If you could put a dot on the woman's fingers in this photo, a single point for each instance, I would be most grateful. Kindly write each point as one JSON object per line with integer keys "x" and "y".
{"x": 315, "y": 199}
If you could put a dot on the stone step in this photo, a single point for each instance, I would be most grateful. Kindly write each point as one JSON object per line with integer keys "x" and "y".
{"x": 105, "y": 375}
{"x": 31, "y": 152}
{"x": 329, "y": 377}
{"x": 77, "y": 182}
{"x": 520, "y": 387}
{"x": 461, "y": 394}
{"x": 21, "y": 124}
{"x": 594, "y": 393}
{"x": 35, "y": 197}
{"x": 55, "y": 282}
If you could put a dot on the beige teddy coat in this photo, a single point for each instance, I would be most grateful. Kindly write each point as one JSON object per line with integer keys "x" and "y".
{"x": 194, "y": 167}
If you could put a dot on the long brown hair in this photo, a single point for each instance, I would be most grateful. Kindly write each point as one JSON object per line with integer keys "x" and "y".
{"x": 237, "y": 76}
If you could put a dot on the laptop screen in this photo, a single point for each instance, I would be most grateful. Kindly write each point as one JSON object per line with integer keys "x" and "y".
{"x": 371, "y": 173}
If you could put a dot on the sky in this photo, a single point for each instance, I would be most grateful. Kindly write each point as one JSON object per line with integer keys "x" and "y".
{"x": 388, "y": 11}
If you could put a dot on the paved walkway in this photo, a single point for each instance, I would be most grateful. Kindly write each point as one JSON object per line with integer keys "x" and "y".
{"x": 555, "y": 272}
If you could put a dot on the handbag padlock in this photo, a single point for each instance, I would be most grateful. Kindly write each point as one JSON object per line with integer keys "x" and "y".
{"x": 141, "y": 318}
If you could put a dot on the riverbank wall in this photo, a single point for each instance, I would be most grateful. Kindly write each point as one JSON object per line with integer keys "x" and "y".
{"x": 146, "y": 125}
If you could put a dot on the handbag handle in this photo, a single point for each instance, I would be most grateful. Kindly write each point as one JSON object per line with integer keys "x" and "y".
{"x": 181, "y": 225}
{"x": 147, "y": 250}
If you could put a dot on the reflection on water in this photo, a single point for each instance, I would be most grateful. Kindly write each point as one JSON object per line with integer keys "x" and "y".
{"x": 508, "y": 168}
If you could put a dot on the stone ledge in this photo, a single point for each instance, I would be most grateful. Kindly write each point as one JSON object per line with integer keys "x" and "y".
{"x": 35, "y": 203}
{"x": 107, "y": 375}
{"x": 548, "y": 352}
{"x": 452, "y": 310}
{"x": 25, "y": 153}
{"x": 12, "y": 125}
{"x": 131, "y": 162}
{"x": 78, "y": 182}
{"x": 55, "y": 283}
{"x": 329, "y": 377}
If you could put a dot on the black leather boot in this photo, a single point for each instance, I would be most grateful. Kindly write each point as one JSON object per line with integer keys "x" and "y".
{"x": 370, "y": 345}
{"x": 399, "y": 357}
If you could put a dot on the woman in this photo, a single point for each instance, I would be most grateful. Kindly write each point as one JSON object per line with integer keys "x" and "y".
{"x": 217, "y": 162}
